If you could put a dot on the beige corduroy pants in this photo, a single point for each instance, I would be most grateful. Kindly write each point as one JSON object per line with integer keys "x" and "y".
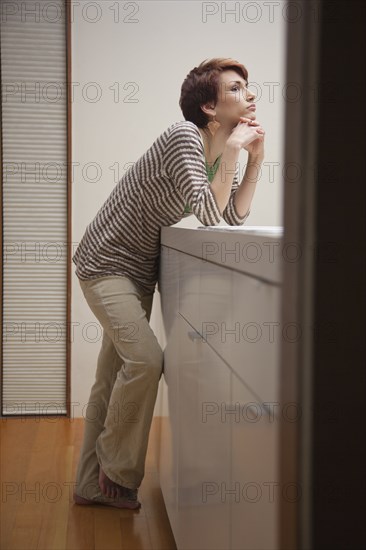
{"x": 120, "y": 408}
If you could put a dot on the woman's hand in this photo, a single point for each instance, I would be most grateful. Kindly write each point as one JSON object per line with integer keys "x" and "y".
{"x": 249, "y": 135}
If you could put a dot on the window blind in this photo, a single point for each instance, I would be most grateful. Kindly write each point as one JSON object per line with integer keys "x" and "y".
{"x": 34, "y": 193}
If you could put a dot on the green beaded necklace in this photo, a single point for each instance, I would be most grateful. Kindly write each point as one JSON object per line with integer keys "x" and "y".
{"x": 211, "y": 171}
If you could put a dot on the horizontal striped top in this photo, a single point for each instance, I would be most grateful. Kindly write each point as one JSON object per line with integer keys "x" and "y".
{"x": 124, "y": 236}
{"x": 211, "y": 171}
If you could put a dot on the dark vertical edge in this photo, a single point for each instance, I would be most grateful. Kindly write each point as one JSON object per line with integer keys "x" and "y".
{"x": 288, "y": 445}
{"x": 69, "y": 206}
{"x": 297, "y": 305}
{"x": 308, "y": 234}
{"x": 339, "y": 453}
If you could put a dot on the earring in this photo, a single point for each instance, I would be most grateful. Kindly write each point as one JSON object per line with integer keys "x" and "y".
{"x": 212, "y": 125}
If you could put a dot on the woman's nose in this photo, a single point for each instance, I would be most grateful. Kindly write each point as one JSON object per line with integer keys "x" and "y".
{"x": 250, "y": 96}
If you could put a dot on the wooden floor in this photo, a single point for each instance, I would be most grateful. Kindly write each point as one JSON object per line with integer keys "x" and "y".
{"x": 38, "y": 464}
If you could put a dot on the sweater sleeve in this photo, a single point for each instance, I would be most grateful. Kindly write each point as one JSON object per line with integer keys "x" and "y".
{"x": 184, "y": 164}
{"x": 230, "y": 214}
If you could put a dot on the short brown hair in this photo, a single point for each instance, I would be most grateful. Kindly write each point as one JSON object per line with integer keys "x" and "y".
{"x": 201, "y": 85}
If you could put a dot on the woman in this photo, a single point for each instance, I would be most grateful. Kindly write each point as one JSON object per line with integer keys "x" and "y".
{"x": 190, "y": 168}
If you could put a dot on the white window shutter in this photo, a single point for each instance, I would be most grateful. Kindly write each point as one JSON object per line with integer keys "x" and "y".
{"x": 34, "y": 193}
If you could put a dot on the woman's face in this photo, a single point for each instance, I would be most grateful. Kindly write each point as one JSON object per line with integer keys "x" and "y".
{"x": 234, "y": 99}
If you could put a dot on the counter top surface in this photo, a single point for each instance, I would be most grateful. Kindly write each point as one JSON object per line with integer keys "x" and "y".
{"x": 254, "y": 250}
{"x": 271, "y": 230}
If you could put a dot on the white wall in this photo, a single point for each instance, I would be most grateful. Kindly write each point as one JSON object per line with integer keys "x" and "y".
{"x": 127, "y": 70}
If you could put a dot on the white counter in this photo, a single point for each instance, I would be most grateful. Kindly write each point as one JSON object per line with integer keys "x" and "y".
{"x": 218, "y": 456}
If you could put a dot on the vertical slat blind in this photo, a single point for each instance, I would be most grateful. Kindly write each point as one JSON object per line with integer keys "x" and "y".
{"x": 34, "y": 129}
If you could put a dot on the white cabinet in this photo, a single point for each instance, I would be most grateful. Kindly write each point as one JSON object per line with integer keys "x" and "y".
{"x": 254, "y": 473}
{"x": 238, "y": 316}
{"x": 195, "y": 445}
{"x": 167, "y": 459}
{"x": 253, "y": 346}
{"x": 218, "y": 458}
{"x": 204, "y": 449}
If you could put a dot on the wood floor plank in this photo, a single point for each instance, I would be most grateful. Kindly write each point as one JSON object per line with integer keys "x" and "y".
{"x": 81, "y": 528}
{"x": 161, "y": 535}
{"x": 29, "y": 509}
{"x": 38, "y": 466}
{"x": 107, "y": 531}
{"x": 14, "y": 465}
{"x": 53, "y": 534}
{"x": 26, "y": 529}
{"x": 150, "y": 463}
{"x": 135, "y": 533}
{"x": 151, "y": 496}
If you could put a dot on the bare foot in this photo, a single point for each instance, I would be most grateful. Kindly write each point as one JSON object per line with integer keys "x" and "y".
{"x": 112, "y": 489}
{"x": 108, "y": 487}
{"x": 122, "y": 503}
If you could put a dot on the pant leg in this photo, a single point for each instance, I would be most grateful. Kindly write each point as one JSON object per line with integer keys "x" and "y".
{"x": 108, "y": 365}
{"x": 122, "y": 399}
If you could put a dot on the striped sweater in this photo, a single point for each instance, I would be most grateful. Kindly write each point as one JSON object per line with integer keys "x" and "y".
{"x": 124, "y": 236}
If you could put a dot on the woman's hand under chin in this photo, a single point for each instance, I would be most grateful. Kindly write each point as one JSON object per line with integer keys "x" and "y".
{"x": 256, "y": 147}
